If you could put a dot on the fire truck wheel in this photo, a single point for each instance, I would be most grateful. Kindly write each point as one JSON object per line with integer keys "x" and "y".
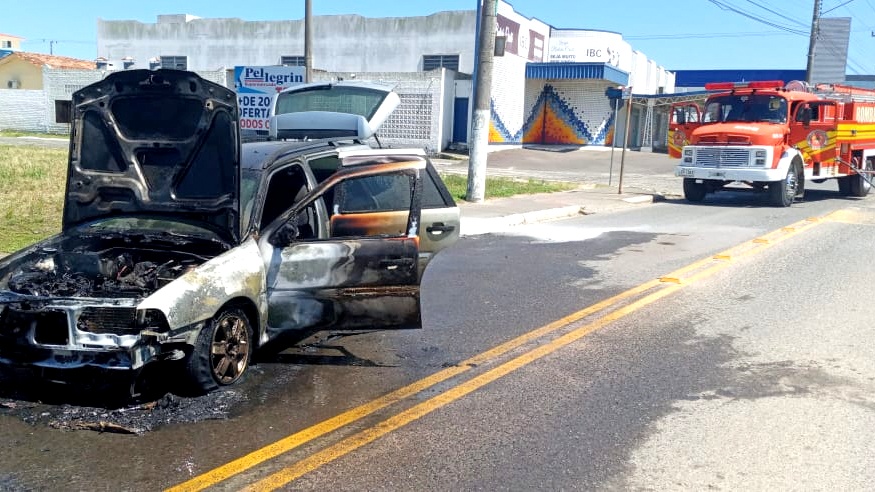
{"x": 783, "y": 192}
{"x": 694, "y": 192}
{"x": 858, "y": 186}
{"x": 844, "y": 185}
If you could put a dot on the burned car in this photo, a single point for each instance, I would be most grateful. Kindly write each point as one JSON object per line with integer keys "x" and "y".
{"x": 180, "y": 244}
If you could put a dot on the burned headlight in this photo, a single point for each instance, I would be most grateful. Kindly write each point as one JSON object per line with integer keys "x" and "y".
{"x": 152, "y": 319}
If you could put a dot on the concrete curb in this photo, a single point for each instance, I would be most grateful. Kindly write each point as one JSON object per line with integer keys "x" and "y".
{"x": 640, "y": 199}
{"x": 473, "y": 225}
{"x": 543, "y": 215}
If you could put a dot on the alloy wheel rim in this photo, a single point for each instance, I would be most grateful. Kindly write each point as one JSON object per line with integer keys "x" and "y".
{"x": 229, "y": 349}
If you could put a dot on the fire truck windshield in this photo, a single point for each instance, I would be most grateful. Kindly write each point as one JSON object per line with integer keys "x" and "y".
{"x": 746, "y": 107}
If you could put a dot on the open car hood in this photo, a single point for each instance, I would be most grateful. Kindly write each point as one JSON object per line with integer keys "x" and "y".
{"x": 154, "y": 142}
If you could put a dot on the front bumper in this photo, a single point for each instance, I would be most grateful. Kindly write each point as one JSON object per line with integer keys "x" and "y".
{"x": 75, "y": 334}
{"x": 730, "y": 174}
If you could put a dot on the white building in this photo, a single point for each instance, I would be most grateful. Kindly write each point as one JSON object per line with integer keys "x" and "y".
{"x": 549, "y": 86}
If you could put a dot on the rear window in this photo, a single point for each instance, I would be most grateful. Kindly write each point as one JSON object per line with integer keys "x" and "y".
{"x": 337, "y": 99}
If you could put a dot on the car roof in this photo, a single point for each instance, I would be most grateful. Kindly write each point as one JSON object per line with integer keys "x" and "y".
{"x": 260, "y": 155}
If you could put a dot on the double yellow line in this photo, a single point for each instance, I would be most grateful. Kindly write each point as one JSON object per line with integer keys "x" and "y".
{"x": 613, "y": 308}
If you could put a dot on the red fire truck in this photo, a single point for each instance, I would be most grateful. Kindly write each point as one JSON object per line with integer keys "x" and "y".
{"x": 771, "y": 137}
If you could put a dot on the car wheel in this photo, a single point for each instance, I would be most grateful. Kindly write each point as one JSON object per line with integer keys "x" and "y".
{"x": 859, "y": 185}
{"x": 222, "y": 352}
{"x": 694, "y": 192}
{"x": 783, "y": 192}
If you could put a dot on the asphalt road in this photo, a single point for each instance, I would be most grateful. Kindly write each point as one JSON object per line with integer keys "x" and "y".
{"x": 752, "y": 371}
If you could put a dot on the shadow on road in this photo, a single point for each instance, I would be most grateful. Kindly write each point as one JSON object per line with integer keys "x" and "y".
{"x": 758, "y": 199}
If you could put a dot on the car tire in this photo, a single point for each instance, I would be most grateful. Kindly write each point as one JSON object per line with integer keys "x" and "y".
{"x": 783, "y": 192}
{"x": 858, "y": 185}
{"x": 694, "y": 192}
{"x": 222, "y": 352}
{"x": 844, "y": 185}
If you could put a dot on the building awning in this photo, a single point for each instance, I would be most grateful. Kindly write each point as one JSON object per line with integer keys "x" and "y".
{"x": 592, "y": 71}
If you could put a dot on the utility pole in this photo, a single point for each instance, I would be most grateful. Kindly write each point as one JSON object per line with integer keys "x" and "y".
{"x": 308, "y": 40}
{"x": 627, "y": 95}
{"x": 815, "y": 31}
{"x": 481, "y": 116}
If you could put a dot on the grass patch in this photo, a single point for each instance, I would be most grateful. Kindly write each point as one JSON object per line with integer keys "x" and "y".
{"x": 16, "y": 133}
{"x": 32, "y": 183}
{"x": 504, "y": 187}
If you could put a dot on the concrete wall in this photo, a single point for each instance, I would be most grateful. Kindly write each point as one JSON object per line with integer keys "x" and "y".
{"x": 23, "y": 110}
{"x": 417, "y": 122}
{"x": 448, "y": 91}
{"x": 60, "y": 86}
{"x": 28, "y": 75}
{"x": 341, "y": 42}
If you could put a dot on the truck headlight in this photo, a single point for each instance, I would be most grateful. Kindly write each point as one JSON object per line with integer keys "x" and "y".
{"x": 688, "y": 152}
{"x": 760, "y": 157}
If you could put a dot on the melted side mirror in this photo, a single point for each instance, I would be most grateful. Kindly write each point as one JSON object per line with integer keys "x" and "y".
{"x": 285, "y": 235}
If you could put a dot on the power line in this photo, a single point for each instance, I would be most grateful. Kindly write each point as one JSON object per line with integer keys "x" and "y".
{"x": 855, "y": 47}
{"x": 756, "y": 18}
{"x": 707, "y": 35}
{"x": 837, "y": 6}
{"x": 795, "y": 21}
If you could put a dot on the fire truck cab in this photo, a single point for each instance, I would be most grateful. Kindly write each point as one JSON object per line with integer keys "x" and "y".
{"x": 774, "y": 138}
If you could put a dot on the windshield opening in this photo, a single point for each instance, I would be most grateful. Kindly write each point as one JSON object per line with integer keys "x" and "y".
{"x": 746, "y": 108}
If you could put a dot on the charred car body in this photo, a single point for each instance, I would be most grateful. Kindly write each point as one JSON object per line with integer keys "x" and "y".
{"x": 178, "y": 243}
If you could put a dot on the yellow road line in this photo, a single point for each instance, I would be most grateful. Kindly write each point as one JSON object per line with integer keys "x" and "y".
{"x": 346, "y": 446}
{"x": 395, "y": 422}
{"x": 293, "y": 441}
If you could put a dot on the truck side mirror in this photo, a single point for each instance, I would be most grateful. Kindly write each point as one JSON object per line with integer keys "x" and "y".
{"x": 680, "y": 117}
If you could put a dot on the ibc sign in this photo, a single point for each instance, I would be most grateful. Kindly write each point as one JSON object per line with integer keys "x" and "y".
{"x": 578, "y": 46}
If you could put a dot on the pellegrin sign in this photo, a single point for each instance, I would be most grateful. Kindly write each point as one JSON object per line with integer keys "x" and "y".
{"x": 256, "y": 87}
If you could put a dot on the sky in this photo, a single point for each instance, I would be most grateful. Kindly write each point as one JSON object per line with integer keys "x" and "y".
{"x": 679, "y": 35}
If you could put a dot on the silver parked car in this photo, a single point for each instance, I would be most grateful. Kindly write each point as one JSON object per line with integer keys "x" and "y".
{"x": 179, "y": 243}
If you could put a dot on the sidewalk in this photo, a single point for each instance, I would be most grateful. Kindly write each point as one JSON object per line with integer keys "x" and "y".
{"x": 647, "y": 178}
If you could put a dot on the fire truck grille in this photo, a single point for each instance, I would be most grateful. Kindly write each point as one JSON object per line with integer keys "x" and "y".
{"x": 723, "y": 157}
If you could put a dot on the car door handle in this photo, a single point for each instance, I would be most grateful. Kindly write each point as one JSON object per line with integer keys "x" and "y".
{"x": 439, "y": 228}
{"x": 394, "y": 263}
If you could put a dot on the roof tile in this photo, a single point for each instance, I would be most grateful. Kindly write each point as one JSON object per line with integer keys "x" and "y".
{"x": 53, "y": 61}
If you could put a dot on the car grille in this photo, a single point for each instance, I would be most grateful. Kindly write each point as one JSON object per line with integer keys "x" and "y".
{"x": 722, "y": 157}
{"x": 112, "y": 320}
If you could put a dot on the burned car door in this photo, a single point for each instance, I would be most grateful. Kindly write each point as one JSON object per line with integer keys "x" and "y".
{"x": 440, "y": 218}
{"x": 357, "y": 268}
